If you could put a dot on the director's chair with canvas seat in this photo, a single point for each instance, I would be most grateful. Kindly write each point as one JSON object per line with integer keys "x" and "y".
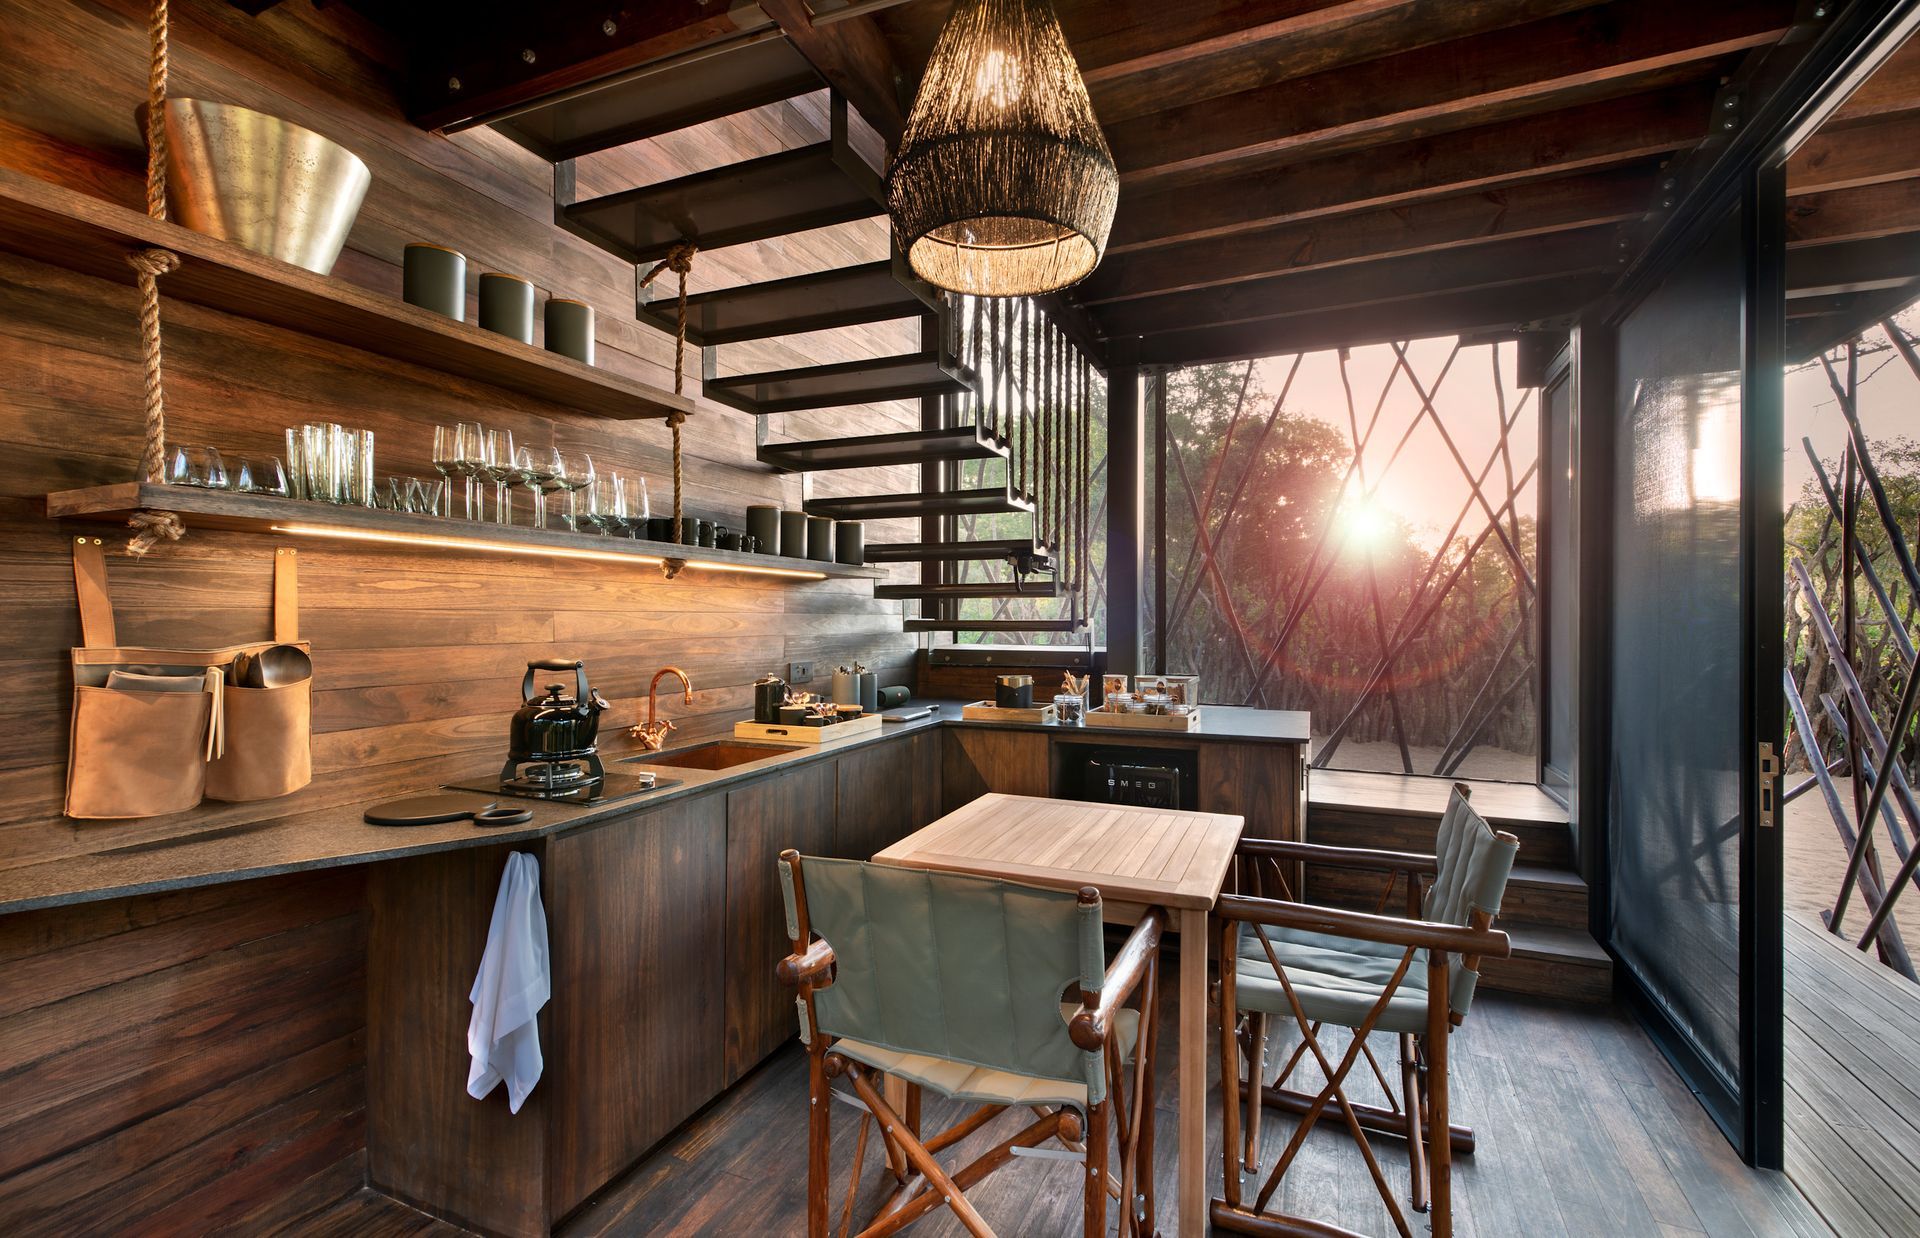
{"x": 988, "y": 992}
{"x": 1412, "y": 977}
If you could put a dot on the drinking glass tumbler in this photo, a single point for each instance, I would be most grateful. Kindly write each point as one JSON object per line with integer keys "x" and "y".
{"x": 196, "y": 465}
{"x": 258, "y": 475}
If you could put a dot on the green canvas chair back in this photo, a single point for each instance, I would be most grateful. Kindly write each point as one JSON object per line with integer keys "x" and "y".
{"x": 964, "y": 968}
{"x": 1473, "y": 865}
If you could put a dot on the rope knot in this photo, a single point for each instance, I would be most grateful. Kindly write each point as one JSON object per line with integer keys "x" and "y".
{"x": 676, "y": 419}
{"x": 151, "y": 528}
{"x": 153, "y": 263}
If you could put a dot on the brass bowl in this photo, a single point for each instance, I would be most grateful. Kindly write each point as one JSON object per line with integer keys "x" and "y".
{"x": 261, "y": 182}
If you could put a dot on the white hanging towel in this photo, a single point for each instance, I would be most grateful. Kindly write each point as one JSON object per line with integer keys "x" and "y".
{"x": 513, "y": 984}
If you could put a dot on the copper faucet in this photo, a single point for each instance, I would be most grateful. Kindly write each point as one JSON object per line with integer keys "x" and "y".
{"x": 652, "y": 733}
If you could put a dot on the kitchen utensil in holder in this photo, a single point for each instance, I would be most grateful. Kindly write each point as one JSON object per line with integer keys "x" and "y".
{"x": 148, "y": 750}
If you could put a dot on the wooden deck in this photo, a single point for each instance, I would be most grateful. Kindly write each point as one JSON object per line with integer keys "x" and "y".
{"x": 1853, "y": 1084}
{"x": 1583, "y": 1130}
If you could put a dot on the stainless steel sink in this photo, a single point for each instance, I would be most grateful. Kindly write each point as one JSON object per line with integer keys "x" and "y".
{"x": 720, "y": 754}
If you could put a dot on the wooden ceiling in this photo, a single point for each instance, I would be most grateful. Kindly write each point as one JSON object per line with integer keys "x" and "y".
{"x": 1308, "y": 173}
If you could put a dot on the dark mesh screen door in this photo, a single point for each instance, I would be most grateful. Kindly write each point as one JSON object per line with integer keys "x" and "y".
{"x": 1691, "y": 486}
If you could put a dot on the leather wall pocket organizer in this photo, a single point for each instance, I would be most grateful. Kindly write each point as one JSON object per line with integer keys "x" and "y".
{"x": 157, "y": 730}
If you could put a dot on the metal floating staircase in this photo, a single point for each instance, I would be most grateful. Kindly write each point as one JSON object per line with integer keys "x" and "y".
{"x": 1003, "y": 393}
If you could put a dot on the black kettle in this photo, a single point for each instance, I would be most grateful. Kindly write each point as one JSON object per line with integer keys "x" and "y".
{"x": 556, "y": 727}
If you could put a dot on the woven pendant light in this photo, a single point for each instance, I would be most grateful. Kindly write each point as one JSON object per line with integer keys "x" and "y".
{"x": 1003, "y": 185}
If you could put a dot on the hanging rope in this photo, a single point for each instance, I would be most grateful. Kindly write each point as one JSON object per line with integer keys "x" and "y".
{"x": 680, "y": 262}
{"x": 149, "y": 265}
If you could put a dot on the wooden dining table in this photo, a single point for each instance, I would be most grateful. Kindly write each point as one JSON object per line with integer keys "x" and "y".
{"x": 1137, "y": 858}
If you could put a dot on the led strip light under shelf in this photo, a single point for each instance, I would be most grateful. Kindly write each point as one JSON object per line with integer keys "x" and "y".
{"x": 522, "y": 548}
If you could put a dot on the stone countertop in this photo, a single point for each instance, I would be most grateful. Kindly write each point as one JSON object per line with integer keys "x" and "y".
{"x": 93, "y": 867}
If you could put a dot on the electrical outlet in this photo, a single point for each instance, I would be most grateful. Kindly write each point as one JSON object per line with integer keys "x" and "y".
{"x": 800, "y": 672}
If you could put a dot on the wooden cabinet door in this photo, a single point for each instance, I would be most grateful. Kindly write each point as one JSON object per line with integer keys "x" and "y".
{"x": 795, "y": 809}
{"x": 635, "y": 920}
{"x": 887, "y": 791}
{"x": 974, "y": 761}
{"x": 1264, "y": 783}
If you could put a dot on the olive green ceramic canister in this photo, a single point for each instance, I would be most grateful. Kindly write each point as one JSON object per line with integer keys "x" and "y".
{"x": 506, "y": 305}
{"x": 763, "y": 525}
{"x": 570, "y": 328}
{"x": 793, "y": 534}
{"x": 820, "y": 538}
{"x": 434, "y": 277}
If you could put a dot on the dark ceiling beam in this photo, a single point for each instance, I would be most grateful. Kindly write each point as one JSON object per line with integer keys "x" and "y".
{"x": 1543, "y": 303}
{"x": 1381, "y": 282}
{"x": 1854, "y": 214}
{"x": 1853, "y": 266}
{"x": 468, "y": 69}
{"x": 1294, "y": 44}
{"x": 1530, "y": 209}
{"x": 1893, "y": 88}
{"x": 1560, "y": 143}
{"x": 1536, "y": 67}
{"x": 1886, "y": 148}
{"x": 853, "y": 57}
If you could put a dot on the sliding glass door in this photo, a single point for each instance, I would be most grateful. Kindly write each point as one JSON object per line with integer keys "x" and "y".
{"x": 1695, "y": 620}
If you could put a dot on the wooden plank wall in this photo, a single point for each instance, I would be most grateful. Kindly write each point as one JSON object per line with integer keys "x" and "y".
{"x": 416, "y": 655}
{"x": 184, "y": 1063}
{"x": 165, "y": 1058}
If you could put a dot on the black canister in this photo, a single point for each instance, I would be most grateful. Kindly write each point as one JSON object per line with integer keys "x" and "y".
{"x": 1013, "y": 692}
{"x": 769, "y": 693}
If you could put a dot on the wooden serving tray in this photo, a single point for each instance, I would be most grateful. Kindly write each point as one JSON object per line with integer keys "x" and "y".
{"x": 780, "y": 734}
{"x": 987, "y": 711}
{"x": 1143, "y": 722}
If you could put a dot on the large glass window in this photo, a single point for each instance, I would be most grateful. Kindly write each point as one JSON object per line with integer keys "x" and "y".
{"x": 1352, "y": 533}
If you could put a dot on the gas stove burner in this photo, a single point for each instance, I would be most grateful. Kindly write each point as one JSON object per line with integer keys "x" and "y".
{"x": 551, "y": 774}
{"x": 590, "y": 788}
{"x": 552, "y": 777}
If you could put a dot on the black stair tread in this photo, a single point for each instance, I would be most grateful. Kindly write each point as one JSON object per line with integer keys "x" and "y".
{"x": 749, "y": 74}
{"x": 987, "y": 502}
{"x": 1040, "y": 587}
{"x": 909, "y": 376}
{"x": 993, "y": 625}
{"x": 870, "y": 292}
{"x": 790, "y": 191}
{"x": 914, "y": 552}
{"x": 881, "y": 450}
{"x": 1545, "y": 941}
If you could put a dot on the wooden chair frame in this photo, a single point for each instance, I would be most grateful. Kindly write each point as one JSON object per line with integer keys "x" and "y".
{"x": 1124, "y": 1118}
{"x": 1267, "y": 864}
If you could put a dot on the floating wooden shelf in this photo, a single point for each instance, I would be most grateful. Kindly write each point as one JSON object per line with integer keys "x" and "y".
{"x": 87, "y": 234}
{"x": 256, "y": 513}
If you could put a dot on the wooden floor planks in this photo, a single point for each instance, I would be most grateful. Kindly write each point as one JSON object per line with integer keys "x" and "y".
{"x": 1852, "y": 1083}
{"x": 1583, "y": 1129}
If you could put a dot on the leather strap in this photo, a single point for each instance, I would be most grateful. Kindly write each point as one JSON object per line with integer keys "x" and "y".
{"x": 90, "y": 587}
{"x": 286, "y": 595}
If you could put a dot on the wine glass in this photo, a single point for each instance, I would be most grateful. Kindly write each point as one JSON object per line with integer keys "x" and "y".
{"x": 446, "y": 460}
{"x": 582, "y": 478}
{"x": 591, "y": 500}
{"x": 470, "y": 440}
{"x": 501, "y": 471}
{"x": 526, "y": 465}
{"x": 613, "y": 517}
{"x": 550, "y": 474}
{"x": 641, "y": 507}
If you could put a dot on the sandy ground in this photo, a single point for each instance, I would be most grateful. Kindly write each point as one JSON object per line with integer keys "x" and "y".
{"x": 1816, "y": 860}
{"x": 1493, "y": 764}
